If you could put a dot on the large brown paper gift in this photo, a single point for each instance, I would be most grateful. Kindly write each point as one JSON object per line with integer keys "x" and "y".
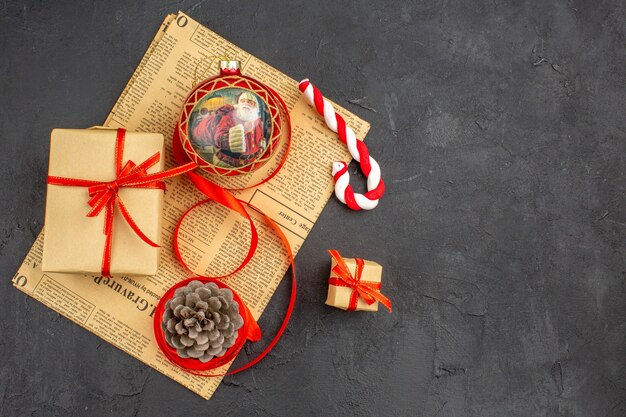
{"x": 355, "y": 284}
{"x": 74, "y": 242}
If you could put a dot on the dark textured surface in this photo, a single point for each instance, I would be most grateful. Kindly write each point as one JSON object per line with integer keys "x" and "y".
{"x": 500, "y": 127}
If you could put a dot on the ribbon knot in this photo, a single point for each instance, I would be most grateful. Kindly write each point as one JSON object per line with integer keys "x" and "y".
{"x": 369, "y": 291}
{"x": 104, "y": 194}
{"x": 131, "y": 175}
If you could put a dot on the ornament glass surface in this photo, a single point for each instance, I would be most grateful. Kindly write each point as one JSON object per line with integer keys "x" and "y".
{"x": 230, "y": 124}
{"x": 230, "y": 127}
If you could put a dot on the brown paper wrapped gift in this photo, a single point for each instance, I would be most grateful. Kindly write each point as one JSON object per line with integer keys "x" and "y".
{"x": 355, "y": 284}
{"x": 74, "y": 242}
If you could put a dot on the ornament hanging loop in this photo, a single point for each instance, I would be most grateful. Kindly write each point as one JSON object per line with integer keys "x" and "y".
{"x": 199, "y": 76}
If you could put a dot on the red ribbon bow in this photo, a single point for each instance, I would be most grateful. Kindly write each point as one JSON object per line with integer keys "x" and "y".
{"x": 104, "y": 195}
{"x": 369, "y": 291}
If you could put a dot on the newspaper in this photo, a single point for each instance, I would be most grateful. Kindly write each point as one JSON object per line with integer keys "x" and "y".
{"x": 120, "y": 310}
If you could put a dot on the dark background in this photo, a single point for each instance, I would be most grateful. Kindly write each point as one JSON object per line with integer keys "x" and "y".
{"x": 500, "y": 128}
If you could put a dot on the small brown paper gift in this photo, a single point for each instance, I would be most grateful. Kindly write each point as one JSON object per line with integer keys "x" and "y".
{"x": 355, "y": 284}
{"x": 86, "y": 175}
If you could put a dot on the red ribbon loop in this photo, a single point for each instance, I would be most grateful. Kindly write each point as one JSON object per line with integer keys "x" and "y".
{"x": 220, "y": 195}
{"x": 104, "y": 195}
{"x": 369, "y": 291}
{"x": 224, "y": 197}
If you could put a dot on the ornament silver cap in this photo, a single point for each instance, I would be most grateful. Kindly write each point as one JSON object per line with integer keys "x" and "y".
{"x": 230, "y": 65}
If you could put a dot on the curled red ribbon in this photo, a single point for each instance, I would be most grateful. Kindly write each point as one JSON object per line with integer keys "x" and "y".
{"x": 369, "y": 291}
{"x": 196, "y": 367}
{"x": 104, "y": 194}
{"x": 224, "y": 197}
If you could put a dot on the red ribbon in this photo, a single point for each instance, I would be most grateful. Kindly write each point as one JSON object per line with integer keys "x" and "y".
{"x": 223, "y": 196}
{"x": 196, "y": 367}
{"x": 369, "y": 291}
{"x": 220, "y": 195}
{"x": 104, "y": 195}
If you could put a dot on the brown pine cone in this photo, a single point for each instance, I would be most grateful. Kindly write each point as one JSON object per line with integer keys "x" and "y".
{"x": 201, "y": 321}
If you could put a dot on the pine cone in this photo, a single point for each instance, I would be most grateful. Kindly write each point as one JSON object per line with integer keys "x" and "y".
{"x": 201, "y": 321}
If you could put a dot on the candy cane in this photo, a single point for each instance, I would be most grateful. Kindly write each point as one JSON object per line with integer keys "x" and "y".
{"x": 358, "y": 150}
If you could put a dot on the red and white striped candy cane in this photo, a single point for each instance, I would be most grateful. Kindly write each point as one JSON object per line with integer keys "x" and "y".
{"x": 358, "y": 150}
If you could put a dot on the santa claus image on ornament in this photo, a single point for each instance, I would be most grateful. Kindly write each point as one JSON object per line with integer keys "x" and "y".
{"x": 229, "y": 127}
